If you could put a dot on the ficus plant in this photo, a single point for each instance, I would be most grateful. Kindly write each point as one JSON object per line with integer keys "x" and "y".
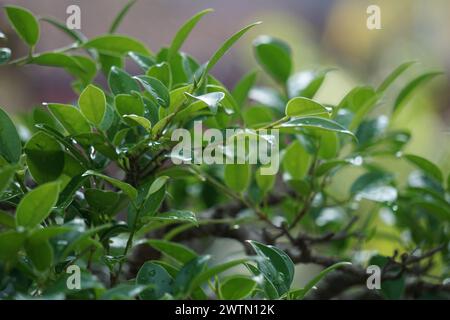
{"x": 92, "y": 190}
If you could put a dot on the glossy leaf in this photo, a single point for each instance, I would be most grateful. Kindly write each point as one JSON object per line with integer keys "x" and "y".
{"x": 188, "y": 273}
{"x": 129, "y": 104}
{"x": 162, "y": 72}
{"x": 121, "y": 82}
{"x": 211, "y": 100}
{"x": 70, "y": 118}
{"x": 157, "y": 277}
{"x": 141, "y": 121}
{"x": 275, "y": 265}
{"x": 302, "y": 107}
{"x": 92, "y": 103}
{"x": 156, "y": 89}
{"x": 316, "y": 123}
{"x": 37, "y": 205}
{"x": 45, "y": 158}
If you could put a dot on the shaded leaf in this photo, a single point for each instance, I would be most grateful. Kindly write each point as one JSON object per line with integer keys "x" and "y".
{"x": 37, "y": 205}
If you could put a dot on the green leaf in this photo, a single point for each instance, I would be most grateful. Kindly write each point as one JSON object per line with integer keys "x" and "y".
{"x": 243, "y": 87}
{"x": 37, "y": 205}
{"x": 258, "y": 116}
{"x": 143, "y": 61}
{"x": 296, "y": 161}
{"x": 274, "y": 56}
{"x": 306, "y": 84}
{"x": 55, "y": 59}
{"x": 275, "y": 265}
{"x": 104, "y": 202}
{"x": 188, "y": 273}
{"x": 428, "y": 167}
{"x": 177, "y": 216}
{"x": 319, "y": 277}
{"x": 45, "y": 158}
{"x": 184, "y": 32}
{"x": 121, "y": 15}
{"x": 116, "y": 45}
{"x": 70, "y": 118}
{"x": 226, "y": 46}
{"x": 120, "y": 82}
{"x": 10, "y": 244}
{"x": 10, "y": 145}
{"x": 40, "y": 253}
{"x": 410, "y": 87}
{"x": 216, "y": 270}
{"x": 374, "y": 186}
{"x": 394, "y": 75}
{"x": 141, "y": 121}
{"x": 301, "y": 107}
{"x": 237, "y": 176}
{"x": 156, "y": 89}
{"x": 267, "y": 286}
{"x": 316, "y": 123}
{"x": 6, "y": 176}
{"x": 125, "y": 187}
{"x": 74, "y": 34}
{"x": 237, "y": 288}
{"x": 162, "y": 72}
{"x": 176, "y": 251}
{"x": 157, "y": 185}
{"x": 211, "y": 100}
{"x": 5, "y": 55}
{"x": 24, "y": 23}
{"x": 92, "y": 103}
{"x": 157, "y": 277}
{"x": 129, "y": 104}
{"x": 265, "y": 182}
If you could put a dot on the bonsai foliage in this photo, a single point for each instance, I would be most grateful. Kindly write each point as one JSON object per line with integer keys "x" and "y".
{"x": 94, "y": 187}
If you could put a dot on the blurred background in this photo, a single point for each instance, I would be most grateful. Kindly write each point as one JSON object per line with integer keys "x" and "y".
{"x": 322, "y": 33}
